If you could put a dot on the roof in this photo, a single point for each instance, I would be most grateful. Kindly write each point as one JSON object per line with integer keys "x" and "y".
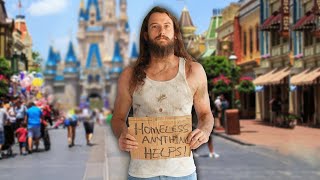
{"x": 20, "y": 24}
{"x": 51, "y": 61}
{"x": 96, "y": 5}
{"x": 71, "y": 57}
{"x": 215, "y": 22}
{"x": 3, "y": 13}
{"x": 94, "y": 58}
{"x": 209, "y": 52}
{"x": 185, "y": 19}
{"x": 134, "y": 51}
{"x": 59, "y": 78}
{"x": 117, "y": 58}
{"x": 116, "y": 70}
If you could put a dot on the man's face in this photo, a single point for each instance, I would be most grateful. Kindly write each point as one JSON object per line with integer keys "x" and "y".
{"x": 160, "y": 36}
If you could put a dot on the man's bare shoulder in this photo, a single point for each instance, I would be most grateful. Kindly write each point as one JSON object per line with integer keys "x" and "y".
{"x": 196, "y": 69}
{"x": 126, "y": 74}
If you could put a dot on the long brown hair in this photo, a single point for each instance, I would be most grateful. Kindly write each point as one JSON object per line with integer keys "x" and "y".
{"x": 143, "y": 60}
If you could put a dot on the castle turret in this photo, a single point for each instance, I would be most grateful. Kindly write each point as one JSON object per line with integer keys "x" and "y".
{"x": 117, "y": 62}
{"x": 187, "y": 27}
{"x": 50, "y": 68}
{"x": 134, "y": 53}
{"x": 71, "y": 78}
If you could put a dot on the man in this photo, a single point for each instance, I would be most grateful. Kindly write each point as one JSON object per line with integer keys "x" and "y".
{"x": 3, "y": 119}
{"x": 33, "y": 120}
{"x": 165, "y": 81}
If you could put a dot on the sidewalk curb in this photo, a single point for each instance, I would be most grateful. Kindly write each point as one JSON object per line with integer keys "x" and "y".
{"x": 225, "y": 136}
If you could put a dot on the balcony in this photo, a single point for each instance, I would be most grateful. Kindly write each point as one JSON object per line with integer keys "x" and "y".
{"x": 276, "y": 51}
{"x": 318, "y": 48}
{"x": 308, "y": 51}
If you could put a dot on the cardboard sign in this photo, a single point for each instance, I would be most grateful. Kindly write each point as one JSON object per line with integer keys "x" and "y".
{"x": 160, "y": 137}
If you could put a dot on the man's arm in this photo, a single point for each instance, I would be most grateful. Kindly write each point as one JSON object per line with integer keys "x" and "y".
{"x": 122, "y": 106}
{"x": 202, "y": 106}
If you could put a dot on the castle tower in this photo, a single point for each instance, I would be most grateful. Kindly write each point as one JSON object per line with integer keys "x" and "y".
{"x": 50, "y": 70}
{"x": 71, "y": 79}
{"x": 124, "y": 31}
{"x": 187, "y": 27}
{"x": 134, "y": 53}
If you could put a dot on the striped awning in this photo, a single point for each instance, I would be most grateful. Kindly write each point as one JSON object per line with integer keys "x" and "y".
{"x": 308, "y": 21}
{"x": 271, "y": 22}
{"x": 273, "y": 77}
{"x": 307, "y": 77}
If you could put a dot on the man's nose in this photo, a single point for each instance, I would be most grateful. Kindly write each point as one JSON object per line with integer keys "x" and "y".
{"x": 161, "y": 30}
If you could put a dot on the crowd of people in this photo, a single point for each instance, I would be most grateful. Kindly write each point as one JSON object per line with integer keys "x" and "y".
{"x": 25, "y": 123}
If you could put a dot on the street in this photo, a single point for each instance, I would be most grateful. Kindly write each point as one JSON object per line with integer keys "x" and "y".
{"x": 104, "y": 161}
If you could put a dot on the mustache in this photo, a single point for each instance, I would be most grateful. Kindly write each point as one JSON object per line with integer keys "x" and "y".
{"x": 162, "y": 36}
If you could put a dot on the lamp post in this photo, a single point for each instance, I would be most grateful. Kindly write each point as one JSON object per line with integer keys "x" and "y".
{"x": 232, "y": 59}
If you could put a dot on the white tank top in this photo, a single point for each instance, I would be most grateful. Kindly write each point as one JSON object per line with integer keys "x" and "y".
{"x": 163, "y": 98}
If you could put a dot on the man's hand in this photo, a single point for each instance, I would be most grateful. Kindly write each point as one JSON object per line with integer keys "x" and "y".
{"x": 197, "y": 137}
{"x": 127, "y": 142}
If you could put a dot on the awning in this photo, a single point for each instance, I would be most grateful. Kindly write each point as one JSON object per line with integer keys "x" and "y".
{"x": 279, "y": 76}
{"x": 275, "y": 76}
{"x": 296, "y": 79}
{"x": 306, "y": 22}
{"x": 208, "y": 52}
{"x": 263, "y": 78}
{"x": 306, "y": 77}
{"x": 271, "y": 22}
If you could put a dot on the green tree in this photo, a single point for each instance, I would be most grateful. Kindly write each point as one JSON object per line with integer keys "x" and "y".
{"x": 37, "y": 59}
{"x": 5, "y": 74}
{"x": 220, "y": 65}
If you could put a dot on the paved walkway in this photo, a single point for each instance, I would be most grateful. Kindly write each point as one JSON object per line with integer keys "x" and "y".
{"x": 302, "y": 142}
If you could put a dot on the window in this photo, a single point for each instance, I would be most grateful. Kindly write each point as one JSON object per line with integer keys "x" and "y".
{"x": 308, "y": 39}
{"x": 257, "y": 38}
{"x": 251, "y": 40}
{"x": 275, "y": 38}
{"x": 244, "y": 43}
{"x": 90, "y": 78}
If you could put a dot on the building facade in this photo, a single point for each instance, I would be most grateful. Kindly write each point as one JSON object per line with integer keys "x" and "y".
{"x": 6, "y": 29}
{"x": 304, "y": 82}
{"x": 247, "y": 29}
{"x": 103, "y": 41}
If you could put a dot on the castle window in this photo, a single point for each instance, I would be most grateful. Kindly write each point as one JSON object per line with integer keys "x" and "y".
{"x": 97, "y": 78}
{"x": 90, "y": 78}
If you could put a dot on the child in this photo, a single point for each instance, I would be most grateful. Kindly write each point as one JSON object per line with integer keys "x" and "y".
{"x": 21, "y": 134}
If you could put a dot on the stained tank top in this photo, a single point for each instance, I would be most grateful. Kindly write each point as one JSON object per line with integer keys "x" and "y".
{"x": 163, "y": 98}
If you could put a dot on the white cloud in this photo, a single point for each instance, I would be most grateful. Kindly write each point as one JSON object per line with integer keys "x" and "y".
{"x": 47, "y": 7}
{"x": 61, "y": 44}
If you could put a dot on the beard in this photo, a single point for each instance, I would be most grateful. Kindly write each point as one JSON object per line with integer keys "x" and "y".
{"x": 159, "y": 50}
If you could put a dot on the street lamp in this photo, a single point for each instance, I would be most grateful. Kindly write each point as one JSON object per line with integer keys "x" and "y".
{"x": 232, "y": 59}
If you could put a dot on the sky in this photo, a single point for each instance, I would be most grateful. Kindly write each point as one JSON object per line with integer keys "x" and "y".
{"x": 55, "y": 22}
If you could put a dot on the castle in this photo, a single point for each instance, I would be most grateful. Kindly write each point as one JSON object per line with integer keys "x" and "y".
{"x": 103, "y": 41}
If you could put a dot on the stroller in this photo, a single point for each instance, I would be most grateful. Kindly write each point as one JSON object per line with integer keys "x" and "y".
{"x": 9, "y": 140}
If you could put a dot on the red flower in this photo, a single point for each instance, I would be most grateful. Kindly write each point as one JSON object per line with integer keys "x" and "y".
{"x": 221, "y": 78}
{"x": 246, "y": 78}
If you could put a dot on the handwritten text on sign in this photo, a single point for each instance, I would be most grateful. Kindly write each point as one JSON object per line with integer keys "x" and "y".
{"x": 160, "y": 137}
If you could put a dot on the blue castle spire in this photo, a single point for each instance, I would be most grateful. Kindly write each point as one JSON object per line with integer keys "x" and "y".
{"x": 51, "y": 61}
{"x": 117, "y": 58}
{"x": 134, "y": 51}
{"x": 94, "y": 55}
{"x": 71, "y": 57}
{"x": 96, "y": 5}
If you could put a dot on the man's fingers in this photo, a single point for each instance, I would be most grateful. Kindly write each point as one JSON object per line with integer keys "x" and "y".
{"x": 192, "y": 134}
{"x": 129, "y": 136}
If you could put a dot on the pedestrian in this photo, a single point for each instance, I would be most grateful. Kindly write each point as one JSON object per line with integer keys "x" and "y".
{"x": 218, "y": 113}
{"x": 165, "y": 81}
{"x": 20, "y": 110}
{"x": 275, "y": 104}
{"x": 3, "y": 120}
{"x": 224, "y": 107}
{"x": 88, "y": 124}
{"x": 33, "y": 120}
{"x": 71, "y": 122}
{"x": 21, "y": 134}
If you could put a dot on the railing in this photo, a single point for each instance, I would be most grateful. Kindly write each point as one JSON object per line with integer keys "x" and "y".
{"x": 276, "y": 51}
{"x": 285, "y": 48}
{"x": 308, "y": 51}
{"x": 318, "y": 49}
